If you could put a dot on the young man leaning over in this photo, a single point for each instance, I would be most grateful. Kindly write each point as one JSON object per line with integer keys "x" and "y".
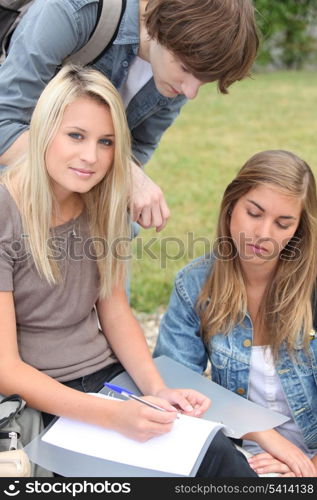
{"x": 163, "y": 52}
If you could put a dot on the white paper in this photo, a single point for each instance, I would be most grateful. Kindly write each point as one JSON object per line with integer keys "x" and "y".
{"x": 175, "y": 452}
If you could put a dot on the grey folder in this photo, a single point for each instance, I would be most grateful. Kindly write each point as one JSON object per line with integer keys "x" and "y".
{"x": 236, "y": 413}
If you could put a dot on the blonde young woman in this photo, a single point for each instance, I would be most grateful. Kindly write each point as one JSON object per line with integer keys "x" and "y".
{"x": 63, "y": 248}
{"x": 247, "y": 308}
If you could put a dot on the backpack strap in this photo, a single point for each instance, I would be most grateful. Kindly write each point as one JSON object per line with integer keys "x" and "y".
{"x": 15, "y": 4}
{"x": 11, "y": 13}
{"x": 10, "y": 406}
{"x": 110, "y": 13}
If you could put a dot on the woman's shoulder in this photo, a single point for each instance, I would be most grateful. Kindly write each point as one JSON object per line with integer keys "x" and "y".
{"x": 199, "y": 267}
{"x": 6, "y": 199}
{"x": 193, "y": 276}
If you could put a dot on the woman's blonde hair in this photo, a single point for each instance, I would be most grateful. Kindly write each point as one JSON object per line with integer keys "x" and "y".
{"x": 286, "y": 310}
{"x": 106, "y": 203}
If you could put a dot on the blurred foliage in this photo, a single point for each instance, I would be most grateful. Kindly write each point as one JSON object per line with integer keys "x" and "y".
{"x": 289, "y": 35}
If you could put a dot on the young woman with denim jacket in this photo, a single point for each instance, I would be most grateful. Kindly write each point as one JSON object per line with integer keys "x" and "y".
{"x": 247, "y": 307}
{"x": 163, "y": 50}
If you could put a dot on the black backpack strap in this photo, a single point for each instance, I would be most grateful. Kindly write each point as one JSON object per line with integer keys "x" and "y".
{"x": 109, "y": 16}
{"x": 11, "y": 13}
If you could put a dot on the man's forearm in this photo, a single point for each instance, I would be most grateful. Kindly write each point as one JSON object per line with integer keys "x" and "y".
{"x": 17, "y": 149}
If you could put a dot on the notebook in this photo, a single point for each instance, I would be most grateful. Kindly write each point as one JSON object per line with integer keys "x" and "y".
{"x": 177, "y": 452}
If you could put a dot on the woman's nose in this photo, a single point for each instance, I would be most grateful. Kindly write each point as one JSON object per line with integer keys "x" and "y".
{"x": 263, "y": 230}
{"x": 89, "y": 152}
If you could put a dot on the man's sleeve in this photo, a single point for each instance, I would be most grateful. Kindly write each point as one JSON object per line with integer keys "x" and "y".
{"x": 146, "y": 136}
{"x": 50, "y": 31}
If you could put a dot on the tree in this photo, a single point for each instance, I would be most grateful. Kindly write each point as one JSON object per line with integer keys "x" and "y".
{"x": 287, "y": 28}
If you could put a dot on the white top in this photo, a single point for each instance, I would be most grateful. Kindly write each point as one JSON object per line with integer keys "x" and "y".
{"x": 139, "y": 74}
{"x": 266, "y": 390}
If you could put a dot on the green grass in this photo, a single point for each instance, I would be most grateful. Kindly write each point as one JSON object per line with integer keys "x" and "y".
{"x": 200, "y": 154}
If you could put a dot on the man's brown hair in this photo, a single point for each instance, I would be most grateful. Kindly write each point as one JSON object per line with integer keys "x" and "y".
{"x": 216, "y": 40}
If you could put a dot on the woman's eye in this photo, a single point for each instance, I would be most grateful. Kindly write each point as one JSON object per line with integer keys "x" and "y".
{"x": 106, "y": 142}
{"x": 282, "y": 226}
{"x": 75, "y": 135}
{"x": 253, "y": 214}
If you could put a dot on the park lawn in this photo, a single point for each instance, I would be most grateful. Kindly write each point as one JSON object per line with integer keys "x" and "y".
{"x": 200, "y": 154}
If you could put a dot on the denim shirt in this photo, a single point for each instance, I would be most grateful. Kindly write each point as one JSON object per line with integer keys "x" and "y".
{"x": 49, "y": 32}
{"x": 179, "y": 338}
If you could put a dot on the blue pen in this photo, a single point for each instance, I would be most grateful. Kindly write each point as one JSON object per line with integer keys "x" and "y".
{"x": 129, "y": 394}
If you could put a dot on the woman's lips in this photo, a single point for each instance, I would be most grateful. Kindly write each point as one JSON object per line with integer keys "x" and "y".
{"x": 81, "y": 172}
{"x": 257, "y": 248}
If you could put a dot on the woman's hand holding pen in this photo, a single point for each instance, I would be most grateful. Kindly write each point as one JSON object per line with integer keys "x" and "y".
{"x": 188, "y": 401}
{"x": 141, "y": 422}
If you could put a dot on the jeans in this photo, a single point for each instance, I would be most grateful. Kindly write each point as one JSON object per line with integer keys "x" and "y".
{"x": 222, "y": 459}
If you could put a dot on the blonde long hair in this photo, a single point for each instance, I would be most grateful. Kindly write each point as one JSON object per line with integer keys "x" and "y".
{"x": 106, "y": 203}
{"x": 286, "y": 310}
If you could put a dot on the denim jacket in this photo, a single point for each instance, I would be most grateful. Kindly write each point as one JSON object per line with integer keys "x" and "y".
{"x": 179, "y": 338}
{"x": 50, "y": 31}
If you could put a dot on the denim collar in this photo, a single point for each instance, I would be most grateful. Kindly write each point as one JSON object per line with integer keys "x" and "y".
{"x": 128, "y": 33}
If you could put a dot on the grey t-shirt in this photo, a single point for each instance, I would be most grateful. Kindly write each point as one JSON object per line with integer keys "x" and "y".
{"x": 57, "y": 326}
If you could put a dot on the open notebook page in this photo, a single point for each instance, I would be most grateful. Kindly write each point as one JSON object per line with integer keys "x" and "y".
{"x": 175, "y": 452}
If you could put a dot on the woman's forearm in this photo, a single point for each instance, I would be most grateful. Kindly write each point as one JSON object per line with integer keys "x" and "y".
{"x": 128, "y": 342}
{"x": 47, "y": 394}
